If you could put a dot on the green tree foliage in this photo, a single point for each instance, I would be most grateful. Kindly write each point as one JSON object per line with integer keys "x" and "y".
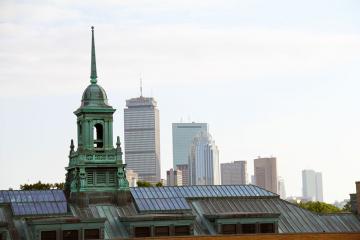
{"x": 319, "y": 207}
{"x": 144, "y": 184}
{"x": 159, "y": 184}
{"x": 347, "y": 207}
{"x": 147, "y": 184}
{"x": 42, "y": 186}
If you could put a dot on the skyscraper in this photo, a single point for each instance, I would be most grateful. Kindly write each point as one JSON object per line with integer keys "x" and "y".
{"x": 183, "y": 135}
{"x": 281, "y": 188}
{"x": 184, "y": 168}
{"x": 142, "y": 138}
{"x": 234, "y": 173}
{"x": 204, "y": 161}
{"x": 312, "y": 185}
{"x": 173, "y": 177}
{"x": 266, "y": 173}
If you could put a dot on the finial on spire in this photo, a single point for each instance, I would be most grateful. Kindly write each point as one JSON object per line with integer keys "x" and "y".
{"x": 118, "y": 142}
{"x": 72, "y": 146}
{"x": 93, "y": 76}
{"x": 141, "y": 86}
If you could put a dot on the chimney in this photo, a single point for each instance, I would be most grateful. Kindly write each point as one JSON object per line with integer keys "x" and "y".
{"x": 358, "y": 197}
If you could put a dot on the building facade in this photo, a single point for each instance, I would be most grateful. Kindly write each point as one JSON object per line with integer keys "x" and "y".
{"x": 312, "y": 185}
{"x": 182, "y": 136}
{"x": 265, "y": 172}
{"x": 234, "y": 173}
{"x": 132, "y": 178}
{"x": 184, "y": 168}
{"x": 281, "y": 188}
{"x": 142, "y": 138}
{"x": 173, "y": 177}
{"x": 204, "y": 161}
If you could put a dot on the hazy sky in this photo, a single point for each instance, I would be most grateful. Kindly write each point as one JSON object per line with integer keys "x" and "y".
{"x": 274, "y": 78}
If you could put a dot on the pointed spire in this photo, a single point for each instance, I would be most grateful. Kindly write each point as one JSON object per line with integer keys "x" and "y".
{"x": 118, "y": 142}
{"x": 141, "y": 94}
{"x": 93, "y": 76}
{"x": 72, "y": 146}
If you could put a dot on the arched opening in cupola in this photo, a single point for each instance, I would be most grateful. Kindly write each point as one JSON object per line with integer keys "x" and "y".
{"x": 98, "y": 136}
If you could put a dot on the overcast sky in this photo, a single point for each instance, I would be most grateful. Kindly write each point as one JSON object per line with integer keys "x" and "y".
{"x": 276, "y": 78}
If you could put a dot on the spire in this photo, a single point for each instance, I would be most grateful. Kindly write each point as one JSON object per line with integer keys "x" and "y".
{"x": 140, "y": 86}
{"x": 93, "y": 76}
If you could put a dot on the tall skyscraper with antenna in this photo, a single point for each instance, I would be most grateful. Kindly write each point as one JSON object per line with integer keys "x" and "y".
{"x": 142, "y": 137}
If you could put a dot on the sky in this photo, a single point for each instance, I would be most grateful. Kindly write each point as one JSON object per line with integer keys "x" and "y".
{"x": 272, "y": 78}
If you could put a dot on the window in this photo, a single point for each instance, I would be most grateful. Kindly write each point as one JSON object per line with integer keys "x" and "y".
{"x": 182, "y": 230}
{"x": 248, "y": 228}
{"x": 267, "y": 228}
{"x": 228, "y": 229}
{"x": 162, "y": 231}
{"x": 92, "y": 234}
{"x": 98, "y": 136}
{"x": 142, "y": 232}
{"x": 70, "y": 235}
{"x": 48, "y": 235}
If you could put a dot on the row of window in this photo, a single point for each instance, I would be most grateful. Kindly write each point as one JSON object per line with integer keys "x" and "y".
{"x": 71, "y": 234}
{"x": 161, "y": 231}
{"x": 248, "y": 228}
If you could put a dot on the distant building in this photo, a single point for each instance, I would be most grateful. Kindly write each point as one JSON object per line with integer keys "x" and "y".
{"x": 132, "y": 178}
{"x": 266, "y": 173}
{"x": 253, "y": 180}
{"x": 204, "y": 161}
{"x": 184, "y": 168}
{"x": 183, "y": 135}
{"x": 281, "y": 188}
{"x": 142, "y": 138}
{"x": 234, "y": 173}
{"x": 296, "y": 199}
{"x": 312, "y": 185}
{"x": 173, "y": 177}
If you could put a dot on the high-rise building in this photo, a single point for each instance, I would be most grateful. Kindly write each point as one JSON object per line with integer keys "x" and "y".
{"x": 183, "y": 135}
{"x": 184, "y": 168}
{"x": 281, "y": 188}
{"x": 312, "y": 185}
{"x": 204, "y": 161}
{"x": 142, "y": 138}
{"x": 234, "y": 173}
{"x": 173, "y": 177}
{"x": 266, "y": 173}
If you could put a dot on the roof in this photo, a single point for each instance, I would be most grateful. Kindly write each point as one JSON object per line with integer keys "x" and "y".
{"x": 201, "y": 204}
{"x": 25, "y": 203}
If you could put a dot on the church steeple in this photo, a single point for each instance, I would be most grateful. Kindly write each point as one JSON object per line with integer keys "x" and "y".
{"x": 93, "y": 75}
{"x": 95, "y": 166}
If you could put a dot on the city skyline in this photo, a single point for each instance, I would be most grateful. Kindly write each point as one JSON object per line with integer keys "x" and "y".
{"x": 282, "y": 88}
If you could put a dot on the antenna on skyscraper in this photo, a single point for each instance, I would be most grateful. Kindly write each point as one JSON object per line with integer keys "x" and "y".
{"x": 141, "y": 86}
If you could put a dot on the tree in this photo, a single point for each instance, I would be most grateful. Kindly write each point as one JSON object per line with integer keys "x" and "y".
{"x": 42, "y": 186}
{"x": 159, "y": 184}
{"x": 347, "y": 207}
{"x": 319, "y": 207}
{"x": 144, "y": 184}
{"x": 147, "y": 184}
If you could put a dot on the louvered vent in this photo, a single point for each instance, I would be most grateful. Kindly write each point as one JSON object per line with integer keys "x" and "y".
{"x": 90, "y": 178}
{"x": 111, "y": 177}
{"x": 101, "y": 177}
